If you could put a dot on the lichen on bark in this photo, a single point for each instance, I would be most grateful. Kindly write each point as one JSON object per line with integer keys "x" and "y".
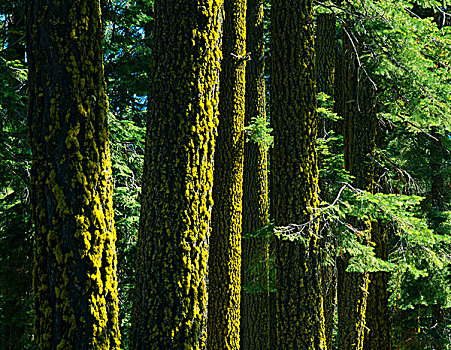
{"x": 169, "y": 310}
{"x": 75, "y": 283}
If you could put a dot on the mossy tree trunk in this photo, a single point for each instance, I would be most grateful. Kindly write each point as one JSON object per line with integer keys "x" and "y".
{"x": 358, "y": 111}
{"x": 225, "y": 244}
{"x": 169, "y": 310}
{"x": 75, "y": 282}
{"x": 378, "y": 313}
{"x": 255, "y": 312}
{"x": 325, "y": 78}
{"x": 294, "y": 175}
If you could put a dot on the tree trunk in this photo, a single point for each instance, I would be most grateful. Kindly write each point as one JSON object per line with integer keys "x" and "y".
{"x": 225, "y": 243}
{"x": 325, "y": 53}
{"x": 378, "y": 313}
{"x": 169, "y": 310}
{"x": 255, "y": 316}
{"x": 75, "y": 282}
{"x": 325, "y": 79}
{"x": 359, "y": 141}
{"x": 294, "y": 175}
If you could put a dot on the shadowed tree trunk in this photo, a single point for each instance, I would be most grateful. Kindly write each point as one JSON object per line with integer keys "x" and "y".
{"x": 325, "y": 78}
{"x": 359, "y": 115}
{"x": 75, "y": 282}
{"x": 255, "y": 312}
{"x": 294, "y": 175}
{"x": 170, "y": 305}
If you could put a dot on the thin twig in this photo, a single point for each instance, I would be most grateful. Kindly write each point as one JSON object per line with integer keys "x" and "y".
{"x": 422, "y": 130}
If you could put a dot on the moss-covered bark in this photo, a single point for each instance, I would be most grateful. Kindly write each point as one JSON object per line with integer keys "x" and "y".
{"x": 75, "y": 282}
{"x": 358, "y": 111}
{"x": 325, "y": 78}
{"x": 294, "y": 175}
{"x": 255, "y": 317}
{"x": 169, "y": 309}
{"x": 225, "y": 244}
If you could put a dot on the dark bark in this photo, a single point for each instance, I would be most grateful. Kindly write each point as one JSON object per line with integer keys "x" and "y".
{"x": 255, "y": 312}
{"x": 294, "y": 175}
{"x": 75, "y": 282}
{"x": 325, "y": 78}
{"x": 358, "y": 111}
{"x": 169, "y": 310}
{"x": 378, "y": 313}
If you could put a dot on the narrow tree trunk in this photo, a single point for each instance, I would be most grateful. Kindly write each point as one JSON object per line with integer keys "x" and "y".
{"x": 170, "y": 305}
{"x": 255, "y": 316}
{"x": 225, "y": 243}
{"x": 359, "y": 141}
{"x": 294, "y": 175}
{"x": 378, "y": 313}
{"x": 325, "y": 53}
{"x": 325, "y": 78}
{"x": 75, "y": 282}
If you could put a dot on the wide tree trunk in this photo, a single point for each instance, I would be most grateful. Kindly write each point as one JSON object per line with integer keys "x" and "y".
{"x": 75, "y": 282}
{"x": 170, "y": 305}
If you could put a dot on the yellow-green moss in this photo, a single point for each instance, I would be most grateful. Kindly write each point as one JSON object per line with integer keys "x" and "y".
{"x": 75, "y": 280}
{"x": 225, "y": 241}
{"x": 170, "y": 303}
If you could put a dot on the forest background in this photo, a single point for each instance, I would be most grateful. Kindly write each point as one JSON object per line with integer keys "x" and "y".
{"x": 403, "y": 49}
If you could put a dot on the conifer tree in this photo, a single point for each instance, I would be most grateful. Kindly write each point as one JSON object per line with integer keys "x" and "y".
{"x": 15, "y": 49}
{"x": 255, "y": 307}
{"x": 225, "y": 244}
{"x": 170, "y": 302}
{"x": 378, "y": 325}
{"x": 75, "y": 284}
{"x": 325, "y": 53}
{"x": 359, "y": 116}
{"x": 378, "y": 315}
{"x": 294, "y": 175}
{"x": 325, "y": 78}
